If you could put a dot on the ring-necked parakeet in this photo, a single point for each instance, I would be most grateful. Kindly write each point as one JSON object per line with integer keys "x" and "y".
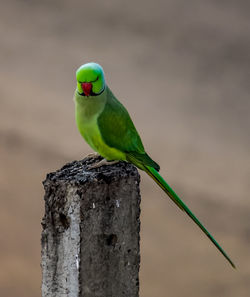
{"x": 107, "y": 127}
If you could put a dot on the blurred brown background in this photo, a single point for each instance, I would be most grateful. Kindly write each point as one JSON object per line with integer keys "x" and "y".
{"x": 182, "y": 70}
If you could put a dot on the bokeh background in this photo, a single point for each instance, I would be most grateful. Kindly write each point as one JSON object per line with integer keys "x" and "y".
{"x": 182, "y": 70}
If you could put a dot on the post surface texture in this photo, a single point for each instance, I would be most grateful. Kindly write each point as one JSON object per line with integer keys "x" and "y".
{"x": 90, "y": 237}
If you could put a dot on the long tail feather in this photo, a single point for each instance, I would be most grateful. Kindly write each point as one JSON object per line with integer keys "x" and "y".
{"x": 163, "y": 184}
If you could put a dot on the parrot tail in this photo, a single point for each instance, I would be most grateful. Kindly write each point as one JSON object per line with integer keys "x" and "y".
{"x": 172, "y": 195}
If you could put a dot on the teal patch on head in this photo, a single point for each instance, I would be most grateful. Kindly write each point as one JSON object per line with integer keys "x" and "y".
{"x": 91, "y": 73}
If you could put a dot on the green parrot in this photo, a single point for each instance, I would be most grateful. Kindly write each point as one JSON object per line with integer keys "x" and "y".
{"x": 107, "y": 127}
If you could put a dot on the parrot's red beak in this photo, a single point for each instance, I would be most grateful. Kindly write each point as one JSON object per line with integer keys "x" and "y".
{"x": 87, "y": 88}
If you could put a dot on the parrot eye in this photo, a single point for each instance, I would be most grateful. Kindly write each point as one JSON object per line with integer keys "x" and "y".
{"x": 91, "y": 81}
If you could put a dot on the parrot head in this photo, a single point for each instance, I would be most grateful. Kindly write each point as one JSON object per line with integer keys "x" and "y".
{"x": 90, "y": 79}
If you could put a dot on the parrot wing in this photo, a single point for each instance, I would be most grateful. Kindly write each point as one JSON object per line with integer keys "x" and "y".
{"x": 118, "y": 131}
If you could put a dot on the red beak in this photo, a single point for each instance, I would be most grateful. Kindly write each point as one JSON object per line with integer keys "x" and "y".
{"x": 87, "y": 88}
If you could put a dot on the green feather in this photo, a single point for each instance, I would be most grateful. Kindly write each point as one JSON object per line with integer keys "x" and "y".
{"x": 117, "y": 128}
{"x": 172, "y": 195}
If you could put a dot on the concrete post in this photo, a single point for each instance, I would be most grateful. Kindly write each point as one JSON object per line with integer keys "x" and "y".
{"x": 90, "y": 238}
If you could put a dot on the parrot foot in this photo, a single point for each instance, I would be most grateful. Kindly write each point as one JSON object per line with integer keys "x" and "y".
{"x": 92, "y": 155}
{"x": 102, "y": 163}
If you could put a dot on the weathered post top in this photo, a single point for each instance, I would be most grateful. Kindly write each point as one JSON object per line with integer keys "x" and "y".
{"x": 90, "y": 237}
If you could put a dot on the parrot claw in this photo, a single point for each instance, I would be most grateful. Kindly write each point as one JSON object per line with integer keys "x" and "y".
{"x": 92, "y": 156}
{"x": 102, "y": 163}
